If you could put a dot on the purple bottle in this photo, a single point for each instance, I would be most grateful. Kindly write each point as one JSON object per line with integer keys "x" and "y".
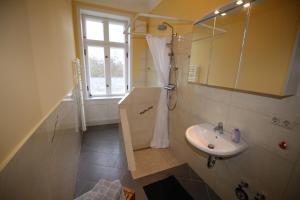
{"x": 236, "y": 135}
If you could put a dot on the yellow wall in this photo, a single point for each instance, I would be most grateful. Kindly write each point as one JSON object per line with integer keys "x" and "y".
{"x": 20, "y": 108}
{"x": 218, "y": 56}
{"x": 269, "y": 46}
{"x": 36, "y": 52}
{"x": 53, "y": 48}
{"x": 200, "y": 52}
{"x": 226, "y": 49}
{"x": 188, "y": 9}
{"x": 139, "y": 47}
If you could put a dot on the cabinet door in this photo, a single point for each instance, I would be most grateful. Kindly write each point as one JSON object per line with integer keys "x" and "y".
{"x": 201, "y": 52}
{"x": 226, "y": 48}
{"x": 269, "y": 46}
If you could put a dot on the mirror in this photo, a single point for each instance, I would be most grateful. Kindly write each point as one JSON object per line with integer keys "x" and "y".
{"x": 271, "y": 37}
{"x": 209, "y": 64}
{"x": 255, "y": 52}
{"x": 227, "y": 47}
{"x": 201, "y": 51}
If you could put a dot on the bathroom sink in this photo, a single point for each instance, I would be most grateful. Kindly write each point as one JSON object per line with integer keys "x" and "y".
{"x": 204, "y": 138}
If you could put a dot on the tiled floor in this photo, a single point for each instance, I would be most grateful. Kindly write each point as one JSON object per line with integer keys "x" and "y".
{"x": 102, "y": 157}
{"x": 150, "y": 161}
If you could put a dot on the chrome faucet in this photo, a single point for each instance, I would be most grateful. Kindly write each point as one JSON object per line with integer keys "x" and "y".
{"x": 219, "y": 128}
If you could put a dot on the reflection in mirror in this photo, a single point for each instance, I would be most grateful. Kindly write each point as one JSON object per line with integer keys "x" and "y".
{"x": 226, "y": 48}
{"x": 270, "y": 42}
{"x": 201, "y": 52}
{"x": 253, "y": 51}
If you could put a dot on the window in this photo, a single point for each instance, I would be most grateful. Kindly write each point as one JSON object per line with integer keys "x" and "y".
{"x": 106, "y": 56}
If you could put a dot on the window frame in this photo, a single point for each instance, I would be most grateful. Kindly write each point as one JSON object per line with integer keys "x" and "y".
{"x": 107, "y": 45}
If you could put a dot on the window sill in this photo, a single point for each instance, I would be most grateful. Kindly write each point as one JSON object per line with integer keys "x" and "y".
{"x": 105, "y": 98}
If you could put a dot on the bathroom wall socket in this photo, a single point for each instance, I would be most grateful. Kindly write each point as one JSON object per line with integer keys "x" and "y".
{"x": 283, "y": 123}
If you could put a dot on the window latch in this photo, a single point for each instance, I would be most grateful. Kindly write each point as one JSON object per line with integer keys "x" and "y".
{"x": 107, "y": 85}
{"x": 88, "y": 91}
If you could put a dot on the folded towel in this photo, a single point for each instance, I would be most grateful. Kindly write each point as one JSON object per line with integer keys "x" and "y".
{"x": 104, "y": 190}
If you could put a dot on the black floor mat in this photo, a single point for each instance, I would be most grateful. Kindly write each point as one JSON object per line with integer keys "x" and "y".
{"x": 166, "y": 189}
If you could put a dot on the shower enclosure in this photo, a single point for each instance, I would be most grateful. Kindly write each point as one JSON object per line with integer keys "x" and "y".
{"x": 166, "y": 41}
{"x": 145, "y": 131}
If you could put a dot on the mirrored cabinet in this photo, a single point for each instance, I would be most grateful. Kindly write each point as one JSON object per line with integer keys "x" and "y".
{"x": 249, "y": 46}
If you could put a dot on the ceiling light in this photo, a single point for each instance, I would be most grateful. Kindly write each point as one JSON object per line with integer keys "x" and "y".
{"x": 217, "y": 12}
{"x": 246, "y": 5}
{"x": 223, "y": 14}
{"x": 239, "y": 2}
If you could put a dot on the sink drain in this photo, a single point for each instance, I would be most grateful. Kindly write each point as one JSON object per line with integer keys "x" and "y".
{"x": 211, "y": 146}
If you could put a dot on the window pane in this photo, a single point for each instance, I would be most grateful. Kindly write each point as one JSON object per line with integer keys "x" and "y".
{"x": 94, "y": 30}
{"x": 116, "y": 33}
{"x": 97, "y": 70}
{"x": 117, "y": 70}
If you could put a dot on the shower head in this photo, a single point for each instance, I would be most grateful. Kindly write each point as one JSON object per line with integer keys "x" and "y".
{"x": 162, "y": 27}
{"x": 167, "y": 24}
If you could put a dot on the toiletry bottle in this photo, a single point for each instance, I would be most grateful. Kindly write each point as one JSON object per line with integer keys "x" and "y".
{"x": 236, "y": 135}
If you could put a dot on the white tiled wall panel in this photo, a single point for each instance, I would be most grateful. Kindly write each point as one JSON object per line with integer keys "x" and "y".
{"x": 102, "y": 111}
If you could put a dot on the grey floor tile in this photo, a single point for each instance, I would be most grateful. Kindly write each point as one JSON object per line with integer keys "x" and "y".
{"x": 83, "y": 186}
{"x": 195, "y": 188}
{"x": 102, "y": 147}
{"x": 212, "y": 194}
{"x": 93, "y": 172}
{"x": 121, "y": 163}
{"x": 103, "y": 128}
{"x": 99, "y": 158}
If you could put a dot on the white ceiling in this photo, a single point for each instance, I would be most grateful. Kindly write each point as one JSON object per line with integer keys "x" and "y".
{"x": 131, "y": 5}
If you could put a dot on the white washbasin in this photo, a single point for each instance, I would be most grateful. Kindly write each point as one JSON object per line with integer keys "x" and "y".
{"x": 203, "y": 135}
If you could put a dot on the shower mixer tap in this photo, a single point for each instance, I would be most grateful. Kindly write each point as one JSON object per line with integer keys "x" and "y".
{"x": 219, "y": 128}
{"x": 170, "y": 87}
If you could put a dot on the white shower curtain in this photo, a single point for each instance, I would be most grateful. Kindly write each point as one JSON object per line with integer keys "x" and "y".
{"x": 159, "y": 51}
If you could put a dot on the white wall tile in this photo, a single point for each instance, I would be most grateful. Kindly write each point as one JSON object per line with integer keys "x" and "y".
{"x": 142, "y": 125}
{"x": 293, "y": 186}
{"x": 102, "y": 111}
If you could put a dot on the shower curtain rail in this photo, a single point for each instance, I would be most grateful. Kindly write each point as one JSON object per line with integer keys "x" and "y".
{"x": 154, "y": 17}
